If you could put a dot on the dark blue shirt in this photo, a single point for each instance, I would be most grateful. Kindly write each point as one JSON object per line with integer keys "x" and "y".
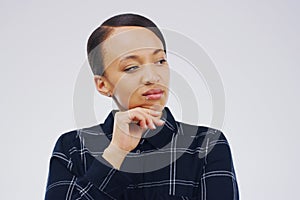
{"x": 174, "y": 161}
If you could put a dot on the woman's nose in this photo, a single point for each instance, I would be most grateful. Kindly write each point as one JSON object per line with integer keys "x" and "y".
{"x": 150, "y": 76}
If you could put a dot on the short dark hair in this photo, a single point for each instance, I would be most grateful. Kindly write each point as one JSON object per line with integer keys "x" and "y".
{"x": 95, "y": 56}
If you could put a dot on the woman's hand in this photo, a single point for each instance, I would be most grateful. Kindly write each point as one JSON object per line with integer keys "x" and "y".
{"x": 128, "y": 129}
{"x": 129, "y": 126}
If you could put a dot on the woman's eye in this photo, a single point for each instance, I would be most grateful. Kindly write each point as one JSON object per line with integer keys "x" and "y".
{"x": 161, "y": 61}
{"x": 130, "y": 69}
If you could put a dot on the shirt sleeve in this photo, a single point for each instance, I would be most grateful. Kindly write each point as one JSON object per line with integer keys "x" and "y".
{"x": 68, "y": 182}
{"x": 218, "y": 179}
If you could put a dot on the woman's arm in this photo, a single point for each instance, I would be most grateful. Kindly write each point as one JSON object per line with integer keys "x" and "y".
{"x": 218, "y": 179}
{"x": 68, "y": 177}
{"x": 68, "y": 181}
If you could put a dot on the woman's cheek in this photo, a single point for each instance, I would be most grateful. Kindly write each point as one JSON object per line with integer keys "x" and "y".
{"x": 125, "y": 92}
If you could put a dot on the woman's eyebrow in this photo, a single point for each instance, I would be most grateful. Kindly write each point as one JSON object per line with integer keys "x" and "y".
{"x": 135, "y": 57}
{"x": 128, "y": 58}
{"x": 157, "y": 51}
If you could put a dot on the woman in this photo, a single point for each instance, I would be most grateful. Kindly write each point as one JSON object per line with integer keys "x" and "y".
{"x": 140, "y": 151}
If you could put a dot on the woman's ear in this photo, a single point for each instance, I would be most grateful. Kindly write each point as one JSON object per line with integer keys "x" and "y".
{"x": 102, "y": 85}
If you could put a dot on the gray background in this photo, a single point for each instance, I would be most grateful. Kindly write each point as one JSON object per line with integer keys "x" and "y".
{"x": 254, "y": 45}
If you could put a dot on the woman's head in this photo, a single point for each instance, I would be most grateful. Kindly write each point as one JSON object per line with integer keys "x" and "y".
{"x": 100, "y": 34}
{"x": 127, "y": 54}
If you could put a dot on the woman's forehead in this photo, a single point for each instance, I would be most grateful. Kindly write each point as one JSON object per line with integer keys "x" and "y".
{"x": 128, "y": 40}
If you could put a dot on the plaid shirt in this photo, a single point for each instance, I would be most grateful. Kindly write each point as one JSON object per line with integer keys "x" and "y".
{"x": 177, "y": 161}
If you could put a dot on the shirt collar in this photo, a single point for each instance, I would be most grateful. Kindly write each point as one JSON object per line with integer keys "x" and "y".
{"x": 159, "y": 137}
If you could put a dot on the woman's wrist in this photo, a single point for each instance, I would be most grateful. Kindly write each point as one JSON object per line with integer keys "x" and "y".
{"x": 114, "y": 155}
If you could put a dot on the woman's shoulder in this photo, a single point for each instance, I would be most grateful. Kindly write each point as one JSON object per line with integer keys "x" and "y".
{"x": 65, "y": 140}
{"x": 198, "y": 130}
{"x": 76, "y": 134}
{"x": 200, "y": 134}
{"x": 81, "y": 138}
{"x": 203, "y": 139}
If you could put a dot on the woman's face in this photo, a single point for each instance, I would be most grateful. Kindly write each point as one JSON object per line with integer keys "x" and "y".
{"x": 136, "y": 69}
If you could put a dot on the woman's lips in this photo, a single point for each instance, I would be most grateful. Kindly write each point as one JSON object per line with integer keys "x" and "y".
{"x": 153, "y": 94}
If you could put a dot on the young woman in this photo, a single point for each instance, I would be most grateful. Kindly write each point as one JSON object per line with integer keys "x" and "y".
{"x": 140, "y": 151}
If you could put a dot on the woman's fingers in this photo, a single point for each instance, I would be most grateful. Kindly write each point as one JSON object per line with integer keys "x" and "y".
{"x": 158, "y": 122}
{"x": 151, "y": 112}
{"x": 150, "y": 123}
{"x": 154, "y": 121}
{"x": 151, "y": 117}
{"x": 145, "y": 118}
{"x": 126, "y": 134}
{"x": 139, "y": 118}
{"x": 142, "y": 119}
